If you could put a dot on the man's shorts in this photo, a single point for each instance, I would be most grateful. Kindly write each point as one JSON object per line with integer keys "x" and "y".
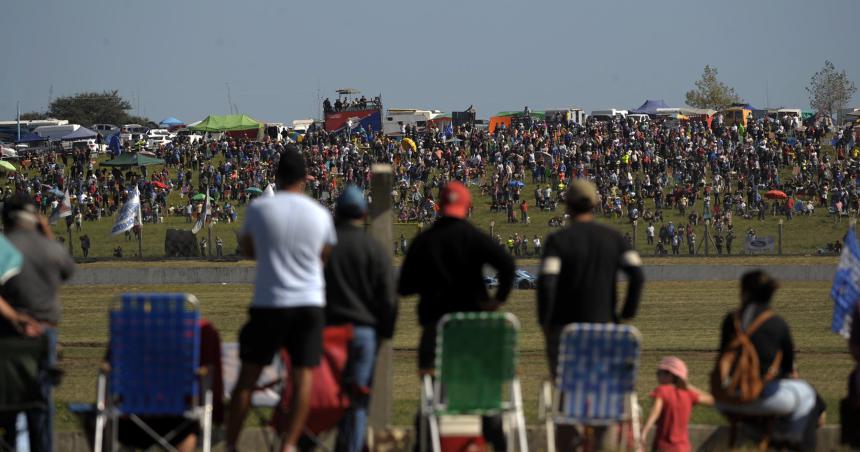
{"x": 267, "y": 330}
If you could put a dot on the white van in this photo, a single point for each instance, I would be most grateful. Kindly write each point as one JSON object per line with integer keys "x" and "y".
{"x": 396, "y": 118}
{"x": 608, "y": 115}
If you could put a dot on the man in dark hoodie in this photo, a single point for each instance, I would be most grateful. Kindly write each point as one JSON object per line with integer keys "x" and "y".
{"x": 360, "y": 292}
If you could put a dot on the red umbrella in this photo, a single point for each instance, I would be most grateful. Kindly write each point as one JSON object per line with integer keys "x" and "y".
{"x": 775, "y": 194}
{"x": 158, "y": 184}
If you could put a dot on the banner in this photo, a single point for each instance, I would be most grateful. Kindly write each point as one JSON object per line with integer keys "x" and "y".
{"x": 128, "y": 215}
{"x": 64, "y": 209}
{"x": 759, "y": 245}
{"x": 845, "y": 291}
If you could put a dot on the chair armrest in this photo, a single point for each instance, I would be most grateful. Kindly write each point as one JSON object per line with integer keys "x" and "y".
{"x": 545, "y": 400}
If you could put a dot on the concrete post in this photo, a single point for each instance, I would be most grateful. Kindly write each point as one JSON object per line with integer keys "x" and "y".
{"x": 382, "y": 400}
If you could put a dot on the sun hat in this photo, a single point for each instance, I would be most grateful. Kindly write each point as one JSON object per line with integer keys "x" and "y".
{"x": 674, "y": 366}
{"x": 455, "y": 200}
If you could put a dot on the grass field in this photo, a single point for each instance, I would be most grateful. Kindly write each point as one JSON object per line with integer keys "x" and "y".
{"x": 680, "y": 318}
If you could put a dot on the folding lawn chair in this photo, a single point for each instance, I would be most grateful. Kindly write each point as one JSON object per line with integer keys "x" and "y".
{"x": 267, "y": 392}
{"x": 595, "y": 380}
{"x": 475, "y": 364}
{"x": 154, "y": 368}
{"x": 22, "y": 369}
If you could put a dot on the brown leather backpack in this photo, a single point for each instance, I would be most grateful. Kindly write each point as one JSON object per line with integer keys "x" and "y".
{"x": 736, "y": 377}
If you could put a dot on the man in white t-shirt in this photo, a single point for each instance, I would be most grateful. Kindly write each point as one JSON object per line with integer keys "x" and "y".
{"x": 290, "y": 235}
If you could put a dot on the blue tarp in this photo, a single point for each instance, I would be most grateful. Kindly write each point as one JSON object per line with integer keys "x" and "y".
{"x": 81, "y": 134}
{"x": 650, "y": 107}
{"x": 170, "y": 122}
{"x": 31, "y": 138}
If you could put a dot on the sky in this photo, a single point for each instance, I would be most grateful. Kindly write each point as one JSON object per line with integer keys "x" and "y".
{"x": 177, "y": 57}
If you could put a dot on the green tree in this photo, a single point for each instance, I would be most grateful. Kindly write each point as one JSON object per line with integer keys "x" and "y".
{"x": 829, "y": 90}
{"x": 710, "y": 92}
{"x": 93, "y": 108}
{"x": 31, "y": 115}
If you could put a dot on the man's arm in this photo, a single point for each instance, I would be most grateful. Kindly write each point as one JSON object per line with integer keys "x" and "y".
{"x": 23, "y": 323}
{"x": 547, "y": 288}
{"x": 631, "y": 264}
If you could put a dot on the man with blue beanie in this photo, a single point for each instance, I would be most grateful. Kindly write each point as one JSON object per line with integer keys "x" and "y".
{"x": 359, "y": 291}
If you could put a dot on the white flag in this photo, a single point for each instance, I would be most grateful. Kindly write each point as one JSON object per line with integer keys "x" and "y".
{"x": 63, "y": 210}
{"x": 127, "y": 217}
{"x": 202, "y": 218}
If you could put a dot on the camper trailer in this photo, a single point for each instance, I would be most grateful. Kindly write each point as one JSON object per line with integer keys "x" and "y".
{"x": 607, "y": 115}
{"x": 396, "y": 118}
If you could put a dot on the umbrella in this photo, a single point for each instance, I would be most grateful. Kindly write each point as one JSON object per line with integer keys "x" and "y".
{"x": 517, "y": 183}
{"x": 6, "y": 165}
{"x": 408, "y": 143}
{"x": 56, "y": 192}
{"x": 775, "y": 194}
{"x": 158, "y": 184}
{"x": 198, "y": 197}
{"x": 253, "y": 190}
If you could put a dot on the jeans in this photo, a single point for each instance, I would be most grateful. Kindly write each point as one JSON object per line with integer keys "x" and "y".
{"x": 791, "y": 399}
{"x": 40, "y": 422}
{"x": 358, "y": 376}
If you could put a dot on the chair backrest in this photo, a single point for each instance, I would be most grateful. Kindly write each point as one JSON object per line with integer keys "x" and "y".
{"x": 475, "y": 358}
{"x": 597, "y": 369}
{"x": 21, "y": 367}
{"x": 155, "y": 353}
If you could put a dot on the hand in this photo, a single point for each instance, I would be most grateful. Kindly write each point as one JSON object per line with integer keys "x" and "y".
{"x": 44, "y": 228}
{"x": 27, "y": 325}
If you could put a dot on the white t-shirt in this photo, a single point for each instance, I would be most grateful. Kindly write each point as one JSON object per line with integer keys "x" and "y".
{"x": 289, "y": 231}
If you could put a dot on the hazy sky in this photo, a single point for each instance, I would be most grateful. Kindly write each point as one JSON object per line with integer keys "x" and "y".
{"x": 176, "y": 57}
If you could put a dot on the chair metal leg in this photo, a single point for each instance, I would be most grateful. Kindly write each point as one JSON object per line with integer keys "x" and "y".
{"x": 101, "y": 416}
{"x": 545, "y": 410}
{"x": 207, "y": 421}
{"x": 635, "y": 420}
{"x": 517, "y": 397}
{"x": 424, "y": 412}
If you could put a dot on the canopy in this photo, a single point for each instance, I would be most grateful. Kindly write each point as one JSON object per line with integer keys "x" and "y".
{"x": 225, "y": 123}
{"x": 650, "y": 107}
{"x": 81, "y": 134}
{"x": 170, "y": 122}
{"x": 133, "y": 160}
{"x": 31, "y": 138}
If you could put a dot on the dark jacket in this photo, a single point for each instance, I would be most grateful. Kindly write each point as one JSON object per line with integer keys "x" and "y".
{"x": 359, "y": 287}
{"x": 444, "y": 266}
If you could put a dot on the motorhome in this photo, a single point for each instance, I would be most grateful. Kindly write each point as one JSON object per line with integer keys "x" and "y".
{"x": 132, "y": 132}
{"x": 397, "y": 118}
{"x": 607, "y": 115}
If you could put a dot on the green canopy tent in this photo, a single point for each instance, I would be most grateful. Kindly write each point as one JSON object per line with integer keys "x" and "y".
{"x": 129, "y": 160}
{"x": 226, "y": 123}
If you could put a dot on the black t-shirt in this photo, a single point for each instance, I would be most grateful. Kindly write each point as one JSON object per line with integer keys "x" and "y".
{"x": 772, "y": 336}
{"x": 590, "y": 256}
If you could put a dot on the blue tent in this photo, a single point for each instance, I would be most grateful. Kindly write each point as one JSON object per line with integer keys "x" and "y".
{"x": 31, "y": 138}
{"x": 81, "y": 134}
{"x": 170, "y": 122}
{"x": 650, "y": 107}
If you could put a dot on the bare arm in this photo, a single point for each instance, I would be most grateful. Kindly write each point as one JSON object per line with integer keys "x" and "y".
{"x": 23, "y": 323}
{"x": 652, "y": 418}
{"x": 705, "y": 398}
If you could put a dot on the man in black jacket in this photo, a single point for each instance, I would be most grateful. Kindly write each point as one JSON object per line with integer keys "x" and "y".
{"x": 444, "y": 267}
{"x": 359, "y": 291}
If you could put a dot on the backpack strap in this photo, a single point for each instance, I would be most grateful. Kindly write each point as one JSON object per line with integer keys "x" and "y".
{"x": 743, "y": 336}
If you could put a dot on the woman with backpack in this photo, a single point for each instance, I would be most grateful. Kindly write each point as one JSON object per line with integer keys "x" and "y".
{"x": 755, "y": 371}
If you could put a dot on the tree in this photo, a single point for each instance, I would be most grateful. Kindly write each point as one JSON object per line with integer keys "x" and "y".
{"x": 710, "y": 92}
{"x": 829, "y": 90}
{"x": 29, "y": 116}
{"x": 93, "y": 108}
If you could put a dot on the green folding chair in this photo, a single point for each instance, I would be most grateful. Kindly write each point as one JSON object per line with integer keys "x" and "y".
{"x": 475, "y": 366}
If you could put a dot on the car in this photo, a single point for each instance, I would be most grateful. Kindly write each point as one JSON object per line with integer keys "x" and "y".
{"x": 522, "y": 280}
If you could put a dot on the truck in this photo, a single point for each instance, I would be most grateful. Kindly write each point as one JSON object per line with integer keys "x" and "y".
{"x": 396, "y": 118}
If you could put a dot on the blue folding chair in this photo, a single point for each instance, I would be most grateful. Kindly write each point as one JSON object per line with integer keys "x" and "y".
{"x": 595, "y": 380}
{"x": 154, "y": 368}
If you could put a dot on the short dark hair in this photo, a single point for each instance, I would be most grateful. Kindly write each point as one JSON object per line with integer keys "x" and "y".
{"x": 759, "y": 285}
{"x": 291, "y": 167}
{"x": 16, "y": 203}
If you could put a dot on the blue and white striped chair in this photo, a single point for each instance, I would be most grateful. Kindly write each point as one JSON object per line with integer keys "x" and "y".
{"x": 595, "y": 381}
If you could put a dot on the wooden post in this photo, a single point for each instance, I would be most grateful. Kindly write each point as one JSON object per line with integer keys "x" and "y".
{"x": 779, "y": 244}
{"x": 381, "y": 399}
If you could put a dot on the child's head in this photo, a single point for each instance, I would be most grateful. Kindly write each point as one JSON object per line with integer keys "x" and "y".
{"x": 672, "y": 370}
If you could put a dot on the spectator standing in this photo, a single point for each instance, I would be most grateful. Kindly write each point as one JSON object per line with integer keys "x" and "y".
{"x": 33, "y": 294}
{"x": 577, "y": 281}
{"x": 290, "y": 236}
{"x": 650, "y": 233}
{"x": 537, "y": 245}
{"x": 444, "y": 266}
{"x": 359, "y": 292}
{"x": 85, "y": 245}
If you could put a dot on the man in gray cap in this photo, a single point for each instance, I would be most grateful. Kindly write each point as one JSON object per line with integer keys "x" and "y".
{"x": 360, "y": 292}
{"x": 577, "y": 281}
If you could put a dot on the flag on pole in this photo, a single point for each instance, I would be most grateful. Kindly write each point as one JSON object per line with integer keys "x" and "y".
{"x": 846, "y": 284}
{"x": 63, "y": 210}
{"x": 203, "y": 217}
{"x": 128, "y": 215}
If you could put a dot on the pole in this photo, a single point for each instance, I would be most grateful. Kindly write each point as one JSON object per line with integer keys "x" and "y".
{"x": 140, "y": 227}
{"x": 635, "y": 224}
{"x": 18, "y": 118}
{"x": 779, "y": 249}
{"x": 707, "y": 238}
{"x": 380, "y": 228}
{"x": 71, "y": 250}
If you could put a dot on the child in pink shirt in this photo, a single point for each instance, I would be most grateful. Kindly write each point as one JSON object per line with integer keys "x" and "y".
{"x": 673, "y": 403}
